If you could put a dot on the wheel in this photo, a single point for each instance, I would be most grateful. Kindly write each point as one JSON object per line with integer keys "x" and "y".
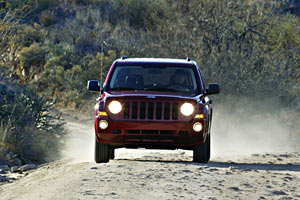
{"x": 111, "y": 153}
{"x": 101, "y": 152}
{"x": 202, "y": 153}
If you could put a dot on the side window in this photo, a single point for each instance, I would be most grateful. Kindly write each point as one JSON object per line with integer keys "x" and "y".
{"x": 202, "y": 87}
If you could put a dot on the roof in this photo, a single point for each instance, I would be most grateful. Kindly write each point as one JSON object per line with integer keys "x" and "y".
{"x": 155, "y": 60}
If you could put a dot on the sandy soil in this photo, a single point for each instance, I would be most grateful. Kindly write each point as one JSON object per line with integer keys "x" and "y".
{"x": 147, "y": 174}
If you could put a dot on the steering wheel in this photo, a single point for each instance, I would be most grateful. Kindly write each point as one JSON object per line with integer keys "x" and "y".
{"x": 179, "y": 88}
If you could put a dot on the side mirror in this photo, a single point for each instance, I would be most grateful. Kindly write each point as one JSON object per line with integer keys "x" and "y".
{"x": 213, "y": 88}
{"x": 93, "y": 85}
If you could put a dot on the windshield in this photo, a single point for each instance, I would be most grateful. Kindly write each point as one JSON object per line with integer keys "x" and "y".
{"x": 164, "y": 78}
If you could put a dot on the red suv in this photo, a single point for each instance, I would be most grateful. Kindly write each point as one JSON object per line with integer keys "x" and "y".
{"x": 153, "y": 103}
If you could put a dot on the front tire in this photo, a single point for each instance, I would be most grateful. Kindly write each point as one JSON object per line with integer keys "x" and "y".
{"x": 111, "y": 153}
{"x": 201, "y": 153}
{"x": 101, "y": 152}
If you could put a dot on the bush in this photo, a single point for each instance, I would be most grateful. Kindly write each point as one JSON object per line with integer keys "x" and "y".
{"x": 47, "y": 18}
{"x": 29, "y": 125}
{"x": 31, "y": 61}
{"x": 27, "y": 35}
{"x": 248, "y": 46}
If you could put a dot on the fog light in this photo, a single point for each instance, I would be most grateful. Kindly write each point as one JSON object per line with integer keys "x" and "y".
{"x": 103, "y": 124}
{"x": 197, "y": 127}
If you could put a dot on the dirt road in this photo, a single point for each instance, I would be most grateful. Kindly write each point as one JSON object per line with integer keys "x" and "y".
{"x": 145, "y": 174}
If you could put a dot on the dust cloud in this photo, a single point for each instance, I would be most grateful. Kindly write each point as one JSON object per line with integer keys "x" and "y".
{"x": 79, "y": 145}
{"x": 252, "y": 127}
{"x": 244, "y": 128}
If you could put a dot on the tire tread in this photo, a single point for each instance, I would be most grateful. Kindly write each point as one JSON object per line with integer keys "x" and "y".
{"x": 101, "y": 152}
{"x": 201, "y": 154}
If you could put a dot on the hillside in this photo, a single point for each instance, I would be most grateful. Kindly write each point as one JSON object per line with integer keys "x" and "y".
{"x": 251, "y": 48}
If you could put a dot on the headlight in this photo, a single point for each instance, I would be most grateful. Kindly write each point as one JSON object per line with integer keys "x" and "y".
{"x": 187, "y": 109}
{"x": 115, "y": 107}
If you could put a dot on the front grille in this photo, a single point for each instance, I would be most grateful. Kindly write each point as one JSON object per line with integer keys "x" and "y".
{"x": 150, "y": 110}
{"x": 149, "y": 139}
{"x": 150, "y": 132}
{"x": 116, "y": 131}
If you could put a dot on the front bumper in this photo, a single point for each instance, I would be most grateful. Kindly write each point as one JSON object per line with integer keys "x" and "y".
{"x": 162, "y": 135}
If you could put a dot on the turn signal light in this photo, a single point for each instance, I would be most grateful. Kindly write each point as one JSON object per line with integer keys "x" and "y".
{"x": 199, "y": 116}
{"x": 101, "y": 113}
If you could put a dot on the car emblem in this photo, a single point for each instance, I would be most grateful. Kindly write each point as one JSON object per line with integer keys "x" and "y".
{"x": 151, "y": 97}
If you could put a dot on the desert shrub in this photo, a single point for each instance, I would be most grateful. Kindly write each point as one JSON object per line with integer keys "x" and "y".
{"x": 248, "y": 46}
{"x": 95, "y": 65}
{"x": 29, "y": 126}
{"x": 42, "y": 5}
{"x": 39, "y": 5}
{"x": 26, "y": 36}
{"x": 231, "y": 41}
{"x": 67, "y": 83}
{"x": 62, "y": 84}
{"x": 238, "y": 44}
{"x": 31, "y": 60}
{"x": 48, "y": 18}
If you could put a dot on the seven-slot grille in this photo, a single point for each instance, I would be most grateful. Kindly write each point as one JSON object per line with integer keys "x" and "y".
{"x": 150, "y": 110}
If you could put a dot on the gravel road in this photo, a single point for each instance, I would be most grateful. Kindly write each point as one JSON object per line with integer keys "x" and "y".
{"x": 148, "y": 174}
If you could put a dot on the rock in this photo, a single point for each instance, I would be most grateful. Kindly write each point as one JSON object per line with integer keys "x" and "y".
{"x": 284, "y": 155}
{"x": 3, "y": 171}
{"x": 18, "y": 162}
{"x": 4, "y": 167}
{"x": 94, "y": 167}
{"x": 186, "y": 171}
{"x": 9, "y": 156}
{"x": 2, "y": 149}
{"x": 262, "y": 197}
{"x": 267, "y": 5}
{"x": 234, "y": 188}
{"x": 277, "y": 192}
{"x": 27, "y": 167}
{"x": 232, "y": 168}
{"x": 14, "y": 169}
{"x": 2, "y": 179}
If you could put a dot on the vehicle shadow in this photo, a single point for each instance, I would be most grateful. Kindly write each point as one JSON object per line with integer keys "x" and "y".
{"x": 237, "y": 166}
{"x": 256, "y": 166}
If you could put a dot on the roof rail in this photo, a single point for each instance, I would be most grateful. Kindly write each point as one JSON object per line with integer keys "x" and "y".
{"x": 124, "y": 57}
{"x": 188, "y": 59}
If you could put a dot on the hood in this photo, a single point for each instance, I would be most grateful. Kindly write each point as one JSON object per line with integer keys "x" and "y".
{"x": 148, "y": 94}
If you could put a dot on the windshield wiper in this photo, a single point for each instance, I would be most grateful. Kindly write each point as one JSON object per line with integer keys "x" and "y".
{"x": 123, "y": 88}
{"x": 161, "y": 89}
